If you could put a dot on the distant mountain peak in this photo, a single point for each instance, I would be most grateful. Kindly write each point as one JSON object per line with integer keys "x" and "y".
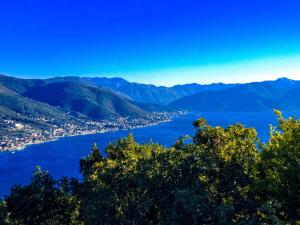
{"x": 284, "y": 79}
{"x": 257, "y": 96}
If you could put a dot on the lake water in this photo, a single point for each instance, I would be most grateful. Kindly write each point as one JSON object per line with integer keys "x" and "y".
{"x": 61, "y": 157}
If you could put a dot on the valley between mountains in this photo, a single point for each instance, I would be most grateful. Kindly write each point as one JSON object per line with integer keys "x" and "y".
{"x": 39, "y": 110}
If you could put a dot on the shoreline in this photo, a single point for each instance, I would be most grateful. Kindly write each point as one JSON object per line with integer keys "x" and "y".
{"x": 25, "y": 145}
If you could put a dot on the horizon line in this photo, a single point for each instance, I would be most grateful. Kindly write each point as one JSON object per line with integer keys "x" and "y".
{"x": 119, "y": 77}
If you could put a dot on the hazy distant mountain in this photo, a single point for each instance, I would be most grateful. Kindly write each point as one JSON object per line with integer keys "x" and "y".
{"x": 294, "y": 96}
{"x": 284, "y": 83}
{"x": 102, "y": 97}
{"x": 143, "y": 93}
{"x": 189, "y": 89}
{"x": 258, "y": 96}
{"x": 95, "y": 103}
{"x": 147, "y": 93}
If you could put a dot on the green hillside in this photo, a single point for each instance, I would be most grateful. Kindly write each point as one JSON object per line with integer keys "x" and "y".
{"x": 95, "y": 103}
{"x": 13, "y": 105}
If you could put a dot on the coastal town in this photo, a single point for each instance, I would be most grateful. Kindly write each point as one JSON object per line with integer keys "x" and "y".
{"x": 16, "y": 135}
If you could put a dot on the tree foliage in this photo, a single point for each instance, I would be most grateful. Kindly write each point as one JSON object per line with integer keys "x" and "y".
{"x": 220, "y": 176}
{"x": 44, "y": 201}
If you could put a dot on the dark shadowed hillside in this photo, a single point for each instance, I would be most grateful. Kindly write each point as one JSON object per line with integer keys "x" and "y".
{"x": 13, "y": 105}
{"x": 95, "y": 103}
{"x": 19, "y": 85}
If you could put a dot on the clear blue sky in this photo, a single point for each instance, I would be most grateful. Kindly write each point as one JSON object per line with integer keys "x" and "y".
{"x": 152, "y": 41}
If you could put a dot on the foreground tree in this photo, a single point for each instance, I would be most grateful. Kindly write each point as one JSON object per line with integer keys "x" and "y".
{"x": 228, "y": 171}
{"x": 3, "y": 213}
{"x": 220, "y": 176}
{"x": 43, "y": 201}
{"x": 279, "y": 183}
{"x": 207, "y": 181}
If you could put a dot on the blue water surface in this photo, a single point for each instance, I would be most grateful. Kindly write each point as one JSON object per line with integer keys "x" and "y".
{"x": 61, "y": 157}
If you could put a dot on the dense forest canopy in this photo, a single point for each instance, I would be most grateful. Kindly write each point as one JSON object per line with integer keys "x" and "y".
{"x": 219, "y": 176}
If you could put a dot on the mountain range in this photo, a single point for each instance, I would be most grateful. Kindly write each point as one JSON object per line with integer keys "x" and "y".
{"x": 101, "y": 97}
{"x": 75, "y": 97}
{"x": 93, "y": 102}
{"x": 143, "y": 93}
{"x": 148, "y": 93}
{"x": 280, "y": 94}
